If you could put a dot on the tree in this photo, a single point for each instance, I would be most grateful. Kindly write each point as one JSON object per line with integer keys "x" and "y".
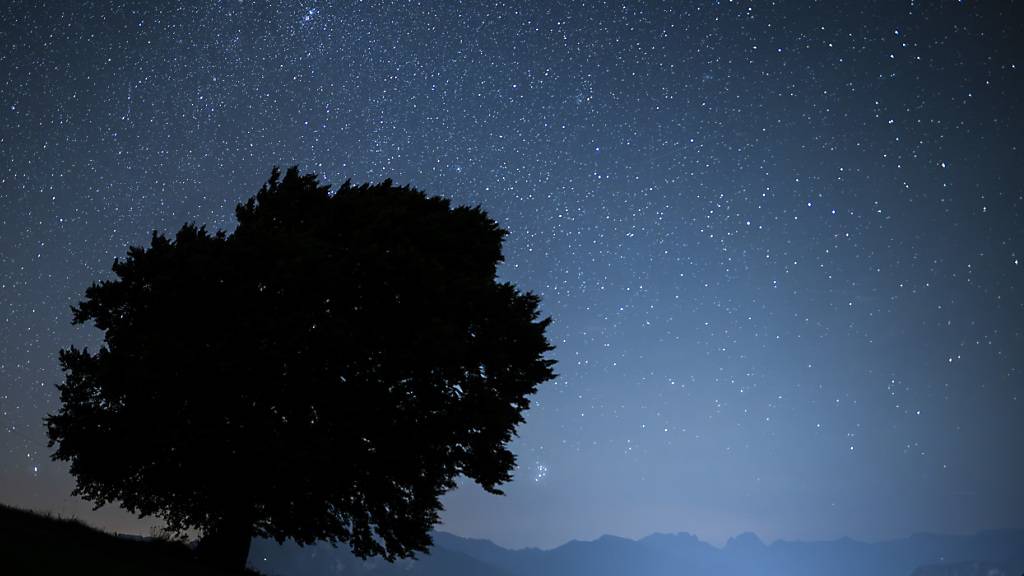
{"x": 324, "y": 372}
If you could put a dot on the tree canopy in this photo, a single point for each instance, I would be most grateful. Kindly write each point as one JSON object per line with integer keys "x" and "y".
{"x": 323, "y": 372}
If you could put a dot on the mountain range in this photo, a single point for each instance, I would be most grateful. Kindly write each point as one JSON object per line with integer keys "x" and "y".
{"x": 990, "y": 553}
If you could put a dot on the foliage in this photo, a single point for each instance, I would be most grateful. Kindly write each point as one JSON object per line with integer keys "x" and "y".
{"x": 324, "y": 372}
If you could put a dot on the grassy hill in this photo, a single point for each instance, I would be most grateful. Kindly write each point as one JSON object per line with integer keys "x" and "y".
{"x": 35, "y": 544}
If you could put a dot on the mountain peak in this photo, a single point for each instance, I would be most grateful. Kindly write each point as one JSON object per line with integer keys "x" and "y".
{"x": 745, "y": 542}
{"x": 670, "y": 536}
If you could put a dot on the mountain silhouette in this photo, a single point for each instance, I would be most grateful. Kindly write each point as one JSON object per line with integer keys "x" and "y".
{"x": 990, "y": 553}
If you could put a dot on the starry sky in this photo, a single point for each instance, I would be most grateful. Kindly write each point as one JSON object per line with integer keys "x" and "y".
{"x": 780, "y": 241}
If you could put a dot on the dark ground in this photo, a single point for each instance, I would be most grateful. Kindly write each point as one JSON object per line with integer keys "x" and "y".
{"x": 35, "y": 544}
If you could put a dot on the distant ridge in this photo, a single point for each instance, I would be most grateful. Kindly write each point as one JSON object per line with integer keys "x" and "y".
{"x": 989, "y": 553}
{"x": 32, "y": 543}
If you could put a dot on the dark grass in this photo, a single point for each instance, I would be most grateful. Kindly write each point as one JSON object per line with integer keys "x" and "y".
{"x": 37, "y": 544}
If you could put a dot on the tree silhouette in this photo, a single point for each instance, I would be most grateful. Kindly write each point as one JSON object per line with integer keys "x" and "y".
{"x": 324, "y": 372}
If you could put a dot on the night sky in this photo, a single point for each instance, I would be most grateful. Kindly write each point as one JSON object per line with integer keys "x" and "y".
{"x": 780, "y": 242}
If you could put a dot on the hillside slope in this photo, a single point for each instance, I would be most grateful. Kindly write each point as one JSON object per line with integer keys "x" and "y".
{"x": 34, "y": 544}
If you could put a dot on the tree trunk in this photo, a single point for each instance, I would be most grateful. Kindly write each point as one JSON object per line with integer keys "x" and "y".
{"x": 226, "y": 545}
